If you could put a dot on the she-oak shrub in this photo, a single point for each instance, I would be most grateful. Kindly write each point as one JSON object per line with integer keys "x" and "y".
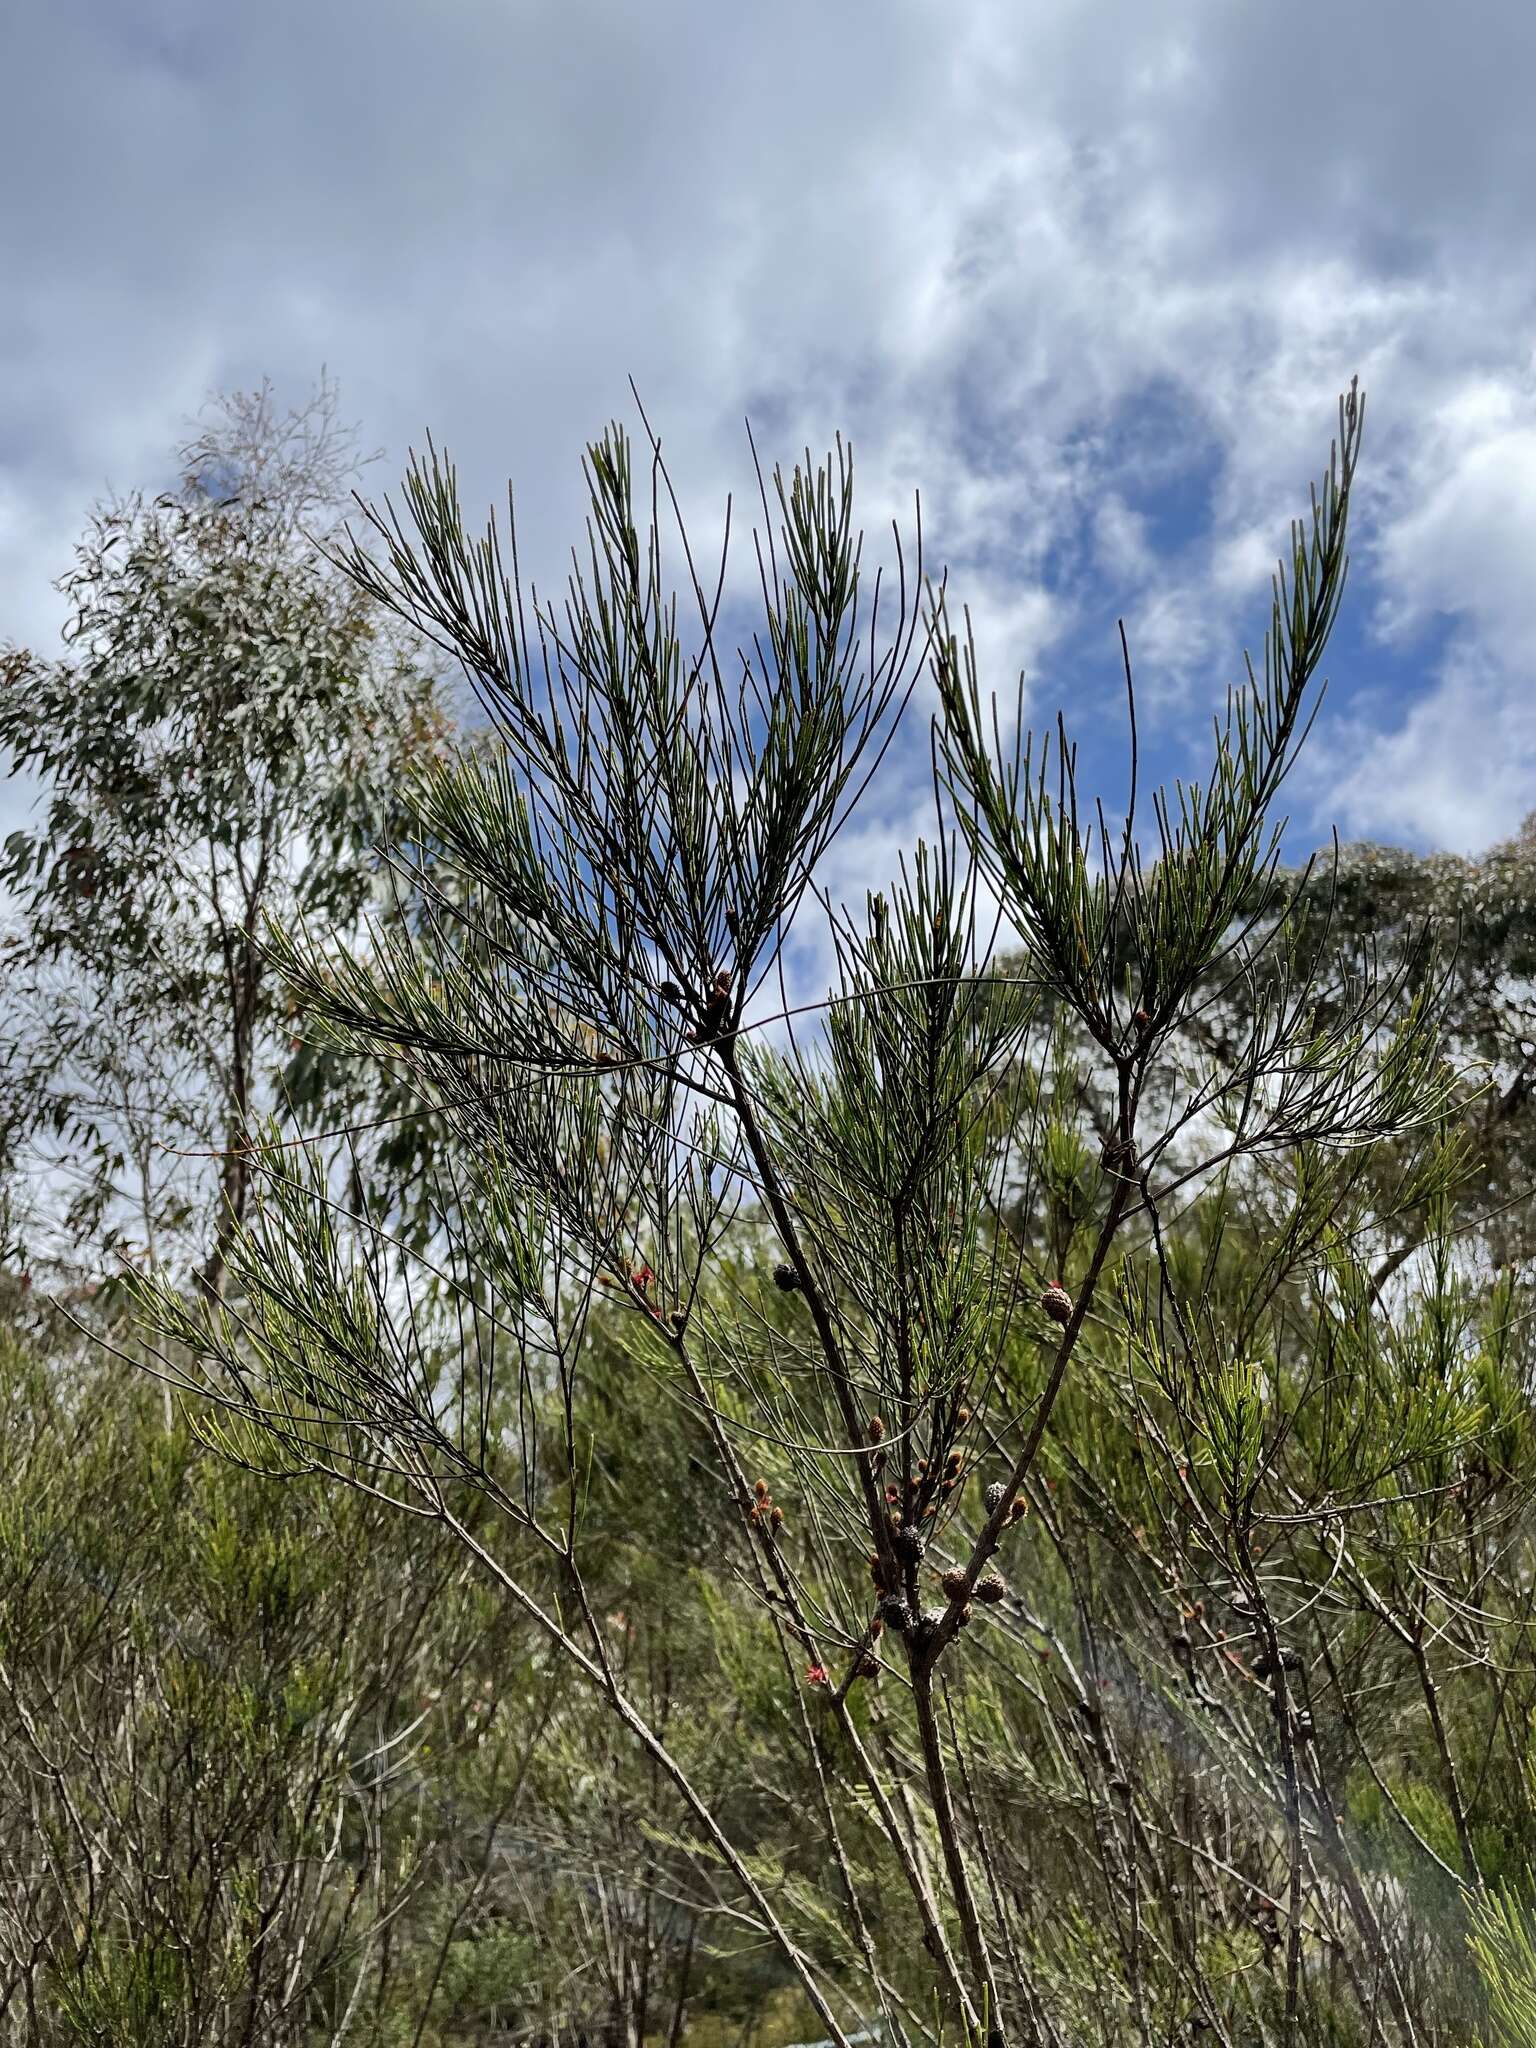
{"x": 1079, "y": 1498}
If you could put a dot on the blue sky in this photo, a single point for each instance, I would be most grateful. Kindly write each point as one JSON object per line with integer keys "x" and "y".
{"x": 1090, "y": 275}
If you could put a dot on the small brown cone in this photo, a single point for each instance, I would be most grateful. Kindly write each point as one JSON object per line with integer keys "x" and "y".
{"x": 1057, "y": 1304}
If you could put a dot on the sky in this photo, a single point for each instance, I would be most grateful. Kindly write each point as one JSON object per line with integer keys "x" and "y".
{"x": 1088, "y": 276}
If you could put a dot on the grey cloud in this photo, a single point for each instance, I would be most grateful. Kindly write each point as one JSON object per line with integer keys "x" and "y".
{"x": 975, "y": 238}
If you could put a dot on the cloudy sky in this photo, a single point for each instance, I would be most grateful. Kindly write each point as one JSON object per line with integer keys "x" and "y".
{"x": 1091, "y": 276}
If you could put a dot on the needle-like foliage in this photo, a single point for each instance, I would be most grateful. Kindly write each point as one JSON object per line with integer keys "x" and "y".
{"x": 820, "y": 1235}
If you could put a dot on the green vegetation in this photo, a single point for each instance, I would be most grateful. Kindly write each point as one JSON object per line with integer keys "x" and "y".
{"x": 541, "y": 1501}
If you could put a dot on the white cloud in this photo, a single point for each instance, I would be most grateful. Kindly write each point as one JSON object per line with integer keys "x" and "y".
{"x": 1456, "y": 541}
{"x": 1455, "y": 771}
{"x": 1464, "y": 540}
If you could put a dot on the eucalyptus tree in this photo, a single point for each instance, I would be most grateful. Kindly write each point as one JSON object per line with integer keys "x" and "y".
{"x": 1483, "y": 910}
{"x": 1458, "y": 926}
{"x": 806, "y": 1230}
{"x": 220, "y": 743}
